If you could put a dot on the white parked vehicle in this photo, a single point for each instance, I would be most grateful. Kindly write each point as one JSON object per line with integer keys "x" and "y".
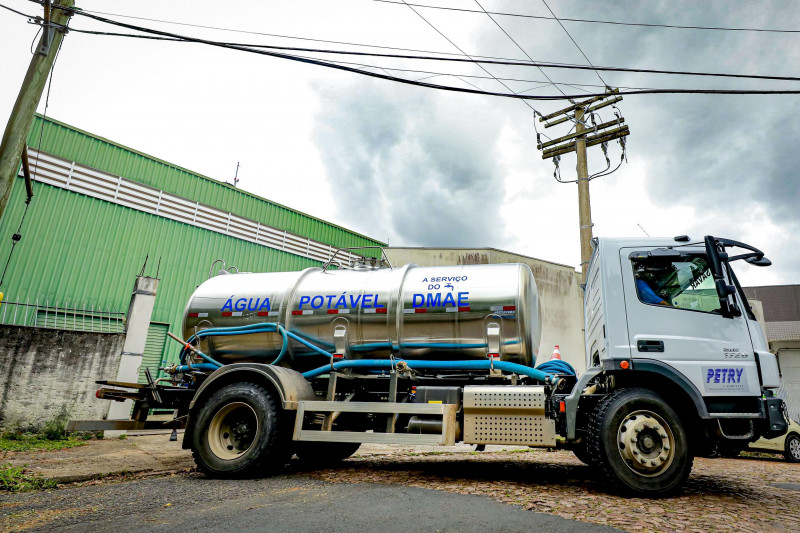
{"x": 788, "y": 444}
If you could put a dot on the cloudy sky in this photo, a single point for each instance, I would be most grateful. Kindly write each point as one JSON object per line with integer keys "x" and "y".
{"x": 421, "y": 167}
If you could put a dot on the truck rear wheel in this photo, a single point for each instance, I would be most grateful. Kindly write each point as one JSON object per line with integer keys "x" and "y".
{"x": 239, "y": 432}
{"x": 639, "y": 442}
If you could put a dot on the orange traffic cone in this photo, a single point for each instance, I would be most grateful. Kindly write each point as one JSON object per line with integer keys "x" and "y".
{"x": 556, "y": 353}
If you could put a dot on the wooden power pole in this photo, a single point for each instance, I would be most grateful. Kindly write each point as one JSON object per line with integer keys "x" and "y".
{"x": 584, "y": 205}
{"x": 21, "y": 119}
{"x": 578, "y": 142}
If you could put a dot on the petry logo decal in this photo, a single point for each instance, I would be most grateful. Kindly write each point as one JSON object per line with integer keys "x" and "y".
{"x": 725, "y": 379}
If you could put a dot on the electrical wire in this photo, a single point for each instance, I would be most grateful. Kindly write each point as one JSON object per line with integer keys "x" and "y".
{"x": 313, "y": 50}
{"x": 611, "y": 22}
{"x": 573, "y": 42}
{"x": 463, "y": 52}
{"x": 574, "y": 86}
{"x": 281, "y": 36}
{"x": 628, "y": 90}
{"x": 472, "y": 59}
{"x": 514, "y": 63}
{"x": 450, "y": 88}
{"x": 15, "y": 11}
{"x": 517, "y": 45}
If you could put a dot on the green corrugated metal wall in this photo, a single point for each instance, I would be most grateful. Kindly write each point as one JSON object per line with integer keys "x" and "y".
{"x": 96, "y": 152}
{"x": 78, "y": 250}
{"x": 154, "y": 348}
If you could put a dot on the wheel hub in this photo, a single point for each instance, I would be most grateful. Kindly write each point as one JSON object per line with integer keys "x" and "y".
{"x": 794, "y": 448}
{"x": 646, "y": 443}
{"x": 232, "y": 431}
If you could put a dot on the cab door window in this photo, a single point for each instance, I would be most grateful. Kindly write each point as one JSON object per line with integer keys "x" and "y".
{"x": 682, "y": 283}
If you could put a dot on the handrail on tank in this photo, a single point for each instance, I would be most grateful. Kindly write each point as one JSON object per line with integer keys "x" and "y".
{"x": 225, "y": 268}
{"x": 383, "y": 253}
{"x": 211, "y": 270}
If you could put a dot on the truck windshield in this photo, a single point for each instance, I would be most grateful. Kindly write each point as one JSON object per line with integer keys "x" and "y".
{"x": 684, "y": 283}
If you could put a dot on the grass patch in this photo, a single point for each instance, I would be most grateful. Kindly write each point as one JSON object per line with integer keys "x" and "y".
{"x": 14, "y": 479}
{"x": 51, "y": 435}
{"x": 760, "y": 455}
{"x": 28, "y": 443}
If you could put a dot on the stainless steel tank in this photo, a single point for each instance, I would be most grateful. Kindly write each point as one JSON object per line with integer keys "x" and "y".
{"x": 442, "y": 313}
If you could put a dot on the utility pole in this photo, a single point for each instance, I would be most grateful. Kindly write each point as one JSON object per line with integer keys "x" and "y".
{"x": 21, "y": 119}
{"x": 577, "y": 142}
{"x": 584, "y": 206}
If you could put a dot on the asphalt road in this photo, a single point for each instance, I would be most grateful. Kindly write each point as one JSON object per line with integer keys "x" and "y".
{"x": 190, "y": 502}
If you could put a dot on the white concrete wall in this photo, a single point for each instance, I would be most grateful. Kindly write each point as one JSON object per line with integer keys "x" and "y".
{"x": 46, "y": 373}
{"x": 788, "y": 353}
{"x": 558, "y": 285}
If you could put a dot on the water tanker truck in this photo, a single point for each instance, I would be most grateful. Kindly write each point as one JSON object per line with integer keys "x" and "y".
{"x": 317, "y": 362}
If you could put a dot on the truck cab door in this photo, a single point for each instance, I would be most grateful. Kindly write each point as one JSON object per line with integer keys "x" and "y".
{"x": 673, "y": 314}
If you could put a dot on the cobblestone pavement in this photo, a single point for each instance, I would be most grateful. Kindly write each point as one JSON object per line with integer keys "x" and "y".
{"x": 721, "y": 494}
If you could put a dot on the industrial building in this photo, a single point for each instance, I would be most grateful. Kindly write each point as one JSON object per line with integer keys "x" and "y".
{"x": 781, "y": 308}
{"x": 100, "y": 210}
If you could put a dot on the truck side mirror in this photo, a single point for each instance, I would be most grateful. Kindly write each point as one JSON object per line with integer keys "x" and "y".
{"x": 723, "y": 289}
{"x": 760, "y": 261}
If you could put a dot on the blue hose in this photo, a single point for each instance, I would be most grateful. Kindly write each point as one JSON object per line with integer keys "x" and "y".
{"x": 544, "y": 372}
{"x": 211, "y": 361}
{"x": 385, "y": 364}
{"x": 264, "y": 327}
{"x": 269, "y": 327}
{"x": 198, "y": 366}
{"x": 557, "y": 366}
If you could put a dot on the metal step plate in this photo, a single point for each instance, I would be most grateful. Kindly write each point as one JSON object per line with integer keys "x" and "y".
{"x": 507, "y": 415}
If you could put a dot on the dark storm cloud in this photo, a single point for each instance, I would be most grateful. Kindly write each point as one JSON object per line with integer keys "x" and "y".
{"x": 411, "y": 166}
{"x": 722, "y": 155}
{"x": 741, "y": 146}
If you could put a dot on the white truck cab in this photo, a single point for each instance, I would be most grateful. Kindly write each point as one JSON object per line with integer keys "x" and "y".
{"x": 668, "y": 316}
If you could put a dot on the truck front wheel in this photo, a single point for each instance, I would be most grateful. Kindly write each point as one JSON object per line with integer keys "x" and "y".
{"x": 639, "y": 442}
{"x": 240, "y": 432}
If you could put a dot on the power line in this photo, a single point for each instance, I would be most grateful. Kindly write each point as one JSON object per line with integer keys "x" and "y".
{"x": 517, "y": 44}
{"x": 422, "y": 84}
{"x": 573, "y": 42}
{"x": 431, "y": 73}
{"x": 489, "y": 60}
{"x": 281, "y": 36}
{"x": 346, "y": 43}
{"x": 15, "y": 11}
{"x": 611, "y": 22}
{"x": 463, "y": 52}
{"x": 515, "y": 63}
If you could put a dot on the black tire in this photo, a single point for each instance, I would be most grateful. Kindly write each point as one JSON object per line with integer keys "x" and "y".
{"x": 791, "y": 451}
{"x": 640, "y": 420}
{"x": 324, "y": 453}
{"x": 240, "y": 432}
{"x": 582, "y": 453}
{"x": 730, "y": 451}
